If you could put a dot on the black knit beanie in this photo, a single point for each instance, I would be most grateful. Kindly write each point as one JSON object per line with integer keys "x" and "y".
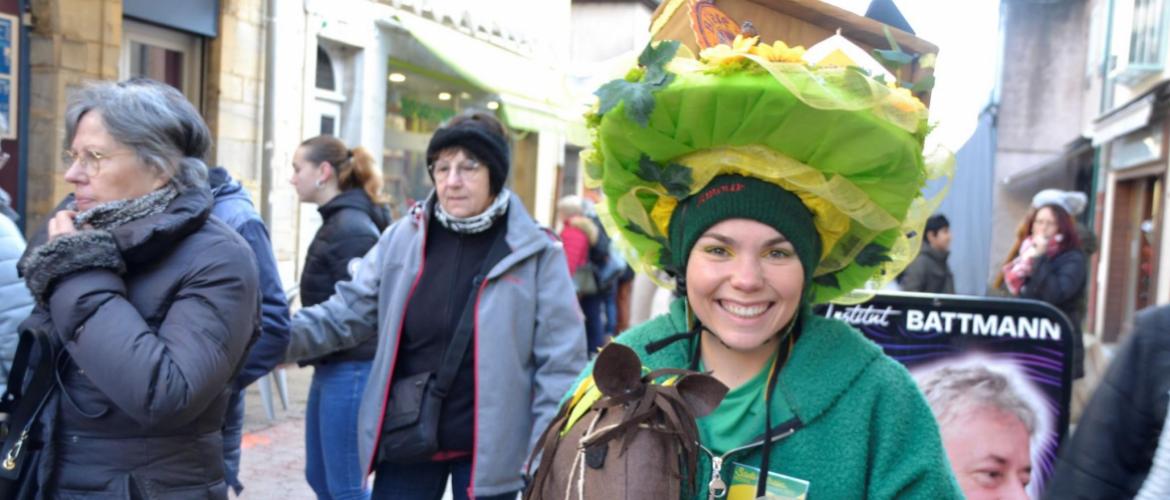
{"x": 738, "y": 197}
{"x": 487, "y": 147}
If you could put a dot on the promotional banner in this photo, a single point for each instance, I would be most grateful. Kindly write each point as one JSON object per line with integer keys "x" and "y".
{"x": 995, "y": 371}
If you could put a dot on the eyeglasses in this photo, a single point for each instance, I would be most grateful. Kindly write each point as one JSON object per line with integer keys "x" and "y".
{"x": 90, "y": 160}
{"x": 467, "y": 170}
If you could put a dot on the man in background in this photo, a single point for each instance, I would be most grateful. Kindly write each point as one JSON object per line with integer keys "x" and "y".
{"x": 234, "y": 207}
{"x": 929, "y": 272}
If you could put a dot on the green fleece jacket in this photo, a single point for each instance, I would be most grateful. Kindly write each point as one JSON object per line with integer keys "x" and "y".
{"x": 863, "y": 429}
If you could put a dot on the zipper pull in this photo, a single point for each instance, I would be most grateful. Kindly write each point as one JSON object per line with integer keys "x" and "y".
{"x": 716, "y": 488}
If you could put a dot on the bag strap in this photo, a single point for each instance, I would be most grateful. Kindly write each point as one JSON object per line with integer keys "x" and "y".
{"x": 15, "y": 388}
{"x": 457, "y": 349}
{"x": 28, "y": 405}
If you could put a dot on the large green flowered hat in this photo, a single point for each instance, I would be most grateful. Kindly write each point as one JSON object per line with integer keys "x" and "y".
{"x": 848, "y": 145}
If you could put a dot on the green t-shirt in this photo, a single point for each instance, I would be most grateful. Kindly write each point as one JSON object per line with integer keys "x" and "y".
{"x": 739, "y": 418}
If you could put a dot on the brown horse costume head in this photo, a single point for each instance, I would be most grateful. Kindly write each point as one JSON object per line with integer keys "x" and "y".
{"x": 634, "y": 442}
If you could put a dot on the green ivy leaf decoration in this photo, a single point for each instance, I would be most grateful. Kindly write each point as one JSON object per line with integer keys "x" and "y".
{"x": 637, "y": 96}
{"x": 872, "y": 255}
{"x": 654, "y": 59}
{"x": 638, "y": 93}
{"x": 664, "y": 255}
{"x": 675, "y": 178}
{"x": 893, "y": 59}
{"x": 828, "y": 280}
{"x": 890, "y": 38}
{"x": 926, "y": 84}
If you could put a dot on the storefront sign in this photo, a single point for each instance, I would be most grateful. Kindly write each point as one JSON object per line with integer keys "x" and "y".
{"x": 1136, "y": 149}
{"x": 196, "y": 16}
{"x": 1028, "y": 343}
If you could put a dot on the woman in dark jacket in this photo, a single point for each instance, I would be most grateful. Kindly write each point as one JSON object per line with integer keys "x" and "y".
{"x": 1047, "y": 264}
{"x": 151, "y": 302}
{"x": 343, "y": 183}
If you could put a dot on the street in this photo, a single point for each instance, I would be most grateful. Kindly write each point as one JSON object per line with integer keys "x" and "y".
{"x": 273, "y": 463}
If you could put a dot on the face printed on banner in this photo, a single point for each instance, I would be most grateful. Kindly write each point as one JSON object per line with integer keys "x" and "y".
{"x": 990, "y": 453}
{"x": 744, "y": 282}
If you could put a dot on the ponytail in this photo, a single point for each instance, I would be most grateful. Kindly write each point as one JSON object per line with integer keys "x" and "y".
{"x": 359, "y": 171}
{"x": 355, "y": 168}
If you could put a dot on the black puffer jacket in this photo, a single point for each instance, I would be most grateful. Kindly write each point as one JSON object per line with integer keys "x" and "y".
{"x": 351, "y": 224}
{"x": 149, "y": 358}
{"x": 1111, "y": 451}
{"x": 1060, "y": 281}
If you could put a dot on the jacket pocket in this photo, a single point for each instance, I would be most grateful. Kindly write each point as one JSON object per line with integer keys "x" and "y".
{"x": 117, "y": 488}
{"x": 213, "y": 491}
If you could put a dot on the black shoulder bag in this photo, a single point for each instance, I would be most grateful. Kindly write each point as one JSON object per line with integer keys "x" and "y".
{"x": 410, "y": 433}
{"x": 22, "y": 406}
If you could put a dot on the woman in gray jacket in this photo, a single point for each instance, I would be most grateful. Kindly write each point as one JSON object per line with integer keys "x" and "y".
{"x": 470, "y": 260}
{"x": 151, "y": 302}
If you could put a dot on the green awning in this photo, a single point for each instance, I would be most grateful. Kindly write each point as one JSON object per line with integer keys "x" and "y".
{"x": 533, "y": 95}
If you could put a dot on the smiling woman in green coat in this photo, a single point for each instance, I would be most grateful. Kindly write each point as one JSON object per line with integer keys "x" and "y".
{"x": 764, "y": 185}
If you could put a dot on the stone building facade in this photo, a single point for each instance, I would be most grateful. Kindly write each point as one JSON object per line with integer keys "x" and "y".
{"x": 75, "y": 41}
{"x": 268, "y": 74}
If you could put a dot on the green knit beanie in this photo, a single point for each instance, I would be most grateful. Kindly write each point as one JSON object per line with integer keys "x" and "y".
{"x": 738, "y": 197}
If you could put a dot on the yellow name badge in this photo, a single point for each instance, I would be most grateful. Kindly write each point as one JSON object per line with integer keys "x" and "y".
{"x": 780, "y": 487}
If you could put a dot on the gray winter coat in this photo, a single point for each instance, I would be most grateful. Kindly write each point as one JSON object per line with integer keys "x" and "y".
{"x": 529, "y": 340}
{"x": 929, "y": 272}
{"x": 150, "y": 354}
{"x": 16, "y": 302}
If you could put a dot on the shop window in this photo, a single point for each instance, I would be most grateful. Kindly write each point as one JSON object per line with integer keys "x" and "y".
{"x": 1134, "y": 252}
{"x": 166, "y": 55}
{"x": 418, "y": 101}
{"x": 1136, "y": 149}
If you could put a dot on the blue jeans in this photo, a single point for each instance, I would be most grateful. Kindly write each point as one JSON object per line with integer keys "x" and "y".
{"x": 233, "y": 433}
{"x": 332, "y": 465}
{"x": 611, "y": 310}
{"x": 593, "y": 306}
{"x": 426, "y": 481}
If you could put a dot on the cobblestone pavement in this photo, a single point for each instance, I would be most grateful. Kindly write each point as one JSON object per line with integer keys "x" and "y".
{"x": 273, "y": 462}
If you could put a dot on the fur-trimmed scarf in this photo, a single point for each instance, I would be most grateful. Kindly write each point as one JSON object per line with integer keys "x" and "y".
{"x": 92, "y": 246}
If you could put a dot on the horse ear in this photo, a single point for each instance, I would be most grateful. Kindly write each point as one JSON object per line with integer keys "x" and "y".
{"x": 702, "y": 393}
{"x": 618, "y": 372}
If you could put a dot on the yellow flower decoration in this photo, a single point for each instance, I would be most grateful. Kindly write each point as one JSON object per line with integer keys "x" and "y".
{"x": 779, "y": 52}
{"x": 903, "y": 100}
{"x": 724, "y": 55}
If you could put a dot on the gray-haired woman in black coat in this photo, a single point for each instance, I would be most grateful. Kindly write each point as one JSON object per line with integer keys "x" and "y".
{"x": 152, "y": 303}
